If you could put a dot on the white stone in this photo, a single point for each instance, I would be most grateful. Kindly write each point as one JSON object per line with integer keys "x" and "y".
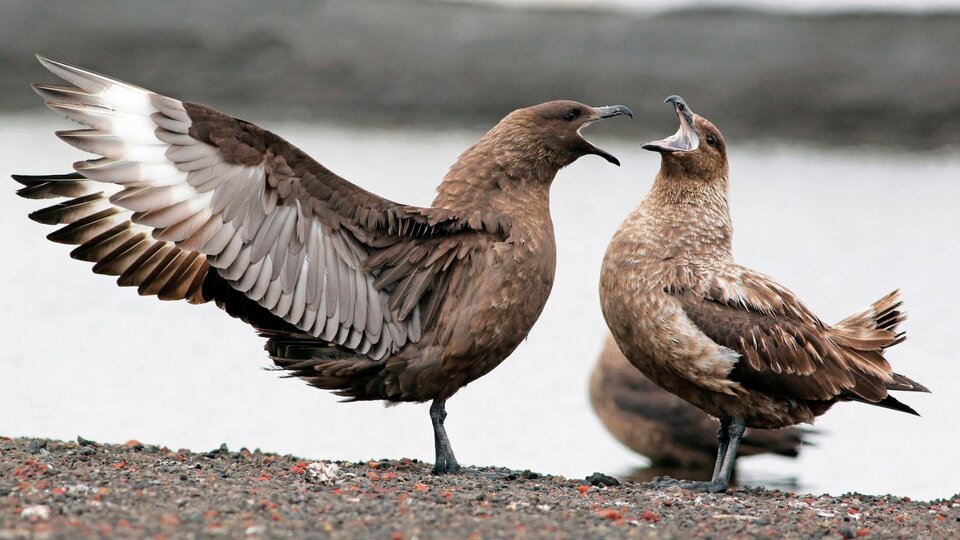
{"x": 40, "y": 512}
{"x": 321, "y": 472}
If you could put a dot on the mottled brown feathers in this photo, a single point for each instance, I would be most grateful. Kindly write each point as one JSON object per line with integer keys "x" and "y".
{"x": 730, "y": 340}
{"x": 355, "y": 293}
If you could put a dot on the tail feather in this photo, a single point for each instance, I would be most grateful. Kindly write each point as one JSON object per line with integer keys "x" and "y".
{"x": 870, "y": 332}
{"x": 905, "y": 384}
{"x": 875, "y": 328}
{"x": 320, "y": 363}
{"x": 891, "y": 402}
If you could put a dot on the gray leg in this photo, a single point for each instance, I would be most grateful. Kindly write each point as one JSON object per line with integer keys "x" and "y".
{"x": 723, "y": 435}
{"x": 725, "y": 461}
{"x": 445, "y": 462}
{"x": 731, "y": 431}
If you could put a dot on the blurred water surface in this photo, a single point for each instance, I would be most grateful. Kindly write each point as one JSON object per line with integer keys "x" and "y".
{"x": 840, "y": 228}
{"x": 774, "y": 5}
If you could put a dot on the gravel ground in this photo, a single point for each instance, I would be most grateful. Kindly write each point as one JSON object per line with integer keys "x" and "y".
{"x": 52, "y": 489}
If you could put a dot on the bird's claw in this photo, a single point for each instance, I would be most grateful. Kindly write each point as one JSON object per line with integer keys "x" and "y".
{"x": 711, "y": 487}
{"x": 661, "y": 482}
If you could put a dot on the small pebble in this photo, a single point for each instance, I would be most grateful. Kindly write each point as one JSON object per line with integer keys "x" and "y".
{"x": 36, "y": 446}
{"x": 321, "y": 472}
{"x": 40, "y": 512}
{"x": 86, "y": 442}
{"x": 602, "y": 480}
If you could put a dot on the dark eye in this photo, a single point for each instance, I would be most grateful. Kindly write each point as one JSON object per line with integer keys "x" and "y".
{"x": 711, "y": 140}
{"x": 571, "y": 115}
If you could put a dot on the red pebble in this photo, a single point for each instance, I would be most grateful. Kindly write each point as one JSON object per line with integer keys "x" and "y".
{"x": 862, "y": 532}
{"x": 31, "y": 467}
{"x": 583, "y": 489}
{"x": 650, "y": 516}
{"x": 419, "y": 486}
{"x": 608, "y": 513}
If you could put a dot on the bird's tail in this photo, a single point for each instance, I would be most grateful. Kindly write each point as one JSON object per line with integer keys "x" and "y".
{"x": 873, "y": 330}
{"x": 322, "y": 364}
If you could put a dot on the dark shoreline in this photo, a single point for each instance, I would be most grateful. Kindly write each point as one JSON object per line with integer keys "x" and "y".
{"x": 832, "y": 79}
{"x": 83, "y": 489}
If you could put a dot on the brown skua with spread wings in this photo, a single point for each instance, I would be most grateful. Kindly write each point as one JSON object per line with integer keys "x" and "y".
{"x": 357, "y": 294}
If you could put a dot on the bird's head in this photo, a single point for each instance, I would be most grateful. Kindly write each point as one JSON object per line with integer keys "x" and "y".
{"x": 552, "y": 130}
{"x": 696, "y": 150}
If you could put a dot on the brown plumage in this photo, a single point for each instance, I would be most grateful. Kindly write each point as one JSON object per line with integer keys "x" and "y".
{"x": 661, "y": 426}
{"x": 728, "y": 339}
{"x": 356, "y": 294}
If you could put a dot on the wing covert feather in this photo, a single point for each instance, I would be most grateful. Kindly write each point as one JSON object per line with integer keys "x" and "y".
{"x": 785, "y": 350}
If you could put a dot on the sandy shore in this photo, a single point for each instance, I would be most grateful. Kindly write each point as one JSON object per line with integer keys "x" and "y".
{"x": 52, "y": 489}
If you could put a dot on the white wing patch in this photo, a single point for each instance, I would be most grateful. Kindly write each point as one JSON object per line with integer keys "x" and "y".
{"x": 299, "y": 268}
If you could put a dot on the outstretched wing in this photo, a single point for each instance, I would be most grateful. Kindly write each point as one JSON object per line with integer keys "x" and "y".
{"x": 785, "y": 350}
{"x": 199, "y": 190}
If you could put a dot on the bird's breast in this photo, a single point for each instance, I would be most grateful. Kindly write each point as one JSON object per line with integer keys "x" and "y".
{"x": 503, "y": 292}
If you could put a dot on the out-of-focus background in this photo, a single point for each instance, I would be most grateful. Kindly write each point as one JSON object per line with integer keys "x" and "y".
{"x": 843, "y": 122}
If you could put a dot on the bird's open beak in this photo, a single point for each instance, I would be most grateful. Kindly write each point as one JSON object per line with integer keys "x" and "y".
{"x": 603, "y": 113}
{"x": 685, "y": 138}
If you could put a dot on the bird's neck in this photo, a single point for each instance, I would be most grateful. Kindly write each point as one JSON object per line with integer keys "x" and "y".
{"x": 672, "y": 189}
{"x": 692, "y": 211}
{"x": 500, "y": 172}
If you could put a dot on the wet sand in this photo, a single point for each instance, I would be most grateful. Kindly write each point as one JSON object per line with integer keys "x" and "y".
{"x": 52, "y": 489}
